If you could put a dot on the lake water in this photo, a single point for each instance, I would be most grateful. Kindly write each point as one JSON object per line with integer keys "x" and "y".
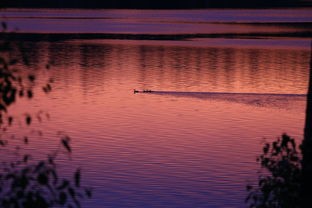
{"x": 194, "y": 141}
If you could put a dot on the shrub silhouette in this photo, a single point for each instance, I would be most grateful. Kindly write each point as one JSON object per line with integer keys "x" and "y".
{"x": 279, "y": 185}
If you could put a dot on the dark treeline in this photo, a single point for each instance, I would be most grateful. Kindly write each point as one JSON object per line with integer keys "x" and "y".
{"x": 154, "y": 4}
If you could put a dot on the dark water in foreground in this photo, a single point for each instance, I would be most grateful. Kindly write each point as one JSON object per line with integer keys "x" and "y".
{"x": 194, "y": 141}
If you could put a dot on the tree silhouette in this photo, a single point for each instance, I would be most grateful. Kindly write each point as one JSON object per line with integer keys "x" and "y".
{"x": 306, "y": 188}
{"x": 279, "y": 184}
{"x": 287, "y": 182}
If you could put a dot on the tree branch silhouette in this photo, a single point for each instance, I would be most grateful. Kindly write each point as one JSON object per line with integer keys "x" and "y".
{"x": 25, "y": 182}
{"x": 306, "y": 188}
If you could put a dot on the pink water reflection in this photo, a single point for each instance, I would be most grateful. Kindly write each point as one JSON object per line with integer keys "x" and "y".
{"x": 168, "y": 149}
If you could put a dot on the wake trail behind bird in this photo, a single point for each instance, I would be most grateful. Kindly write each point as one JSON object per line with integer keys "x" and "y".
{"x": 269, "y": 100}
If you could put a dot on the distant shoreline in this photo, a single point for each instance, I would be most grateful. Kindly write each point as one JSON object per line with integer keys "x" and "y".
{"x": 155, "y": 4}
{"x": 70, "y": 36}
{"x": 156, "y": 8}
{"x": 160, "y": 8}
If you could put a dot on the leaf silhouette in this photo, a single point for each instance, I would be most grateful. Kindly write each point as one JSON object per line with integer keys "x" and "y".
{"x": 63, "y": 198}
{"x": 64, "y": 185}
{"x": 88, "y": 192}
{"x": 3, "y": 108}
{"x": 31, "y": 77}
{"x": 77, "y": 178}
{"x": 43, "y": 179}
{"x": 29, "y": 94}
{"x": 28, "y": 119}
{"x": 26, "y": 140}
{"x": 2, "y": 142}
{"x": 10, "y": 120}
{"x": 26, "y": 158}
{"x": 65, "y": 142}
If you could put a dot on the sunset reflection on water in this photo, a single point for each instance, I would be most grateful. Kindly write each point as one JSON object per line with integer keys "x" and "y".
{"x": 173, "y": 149}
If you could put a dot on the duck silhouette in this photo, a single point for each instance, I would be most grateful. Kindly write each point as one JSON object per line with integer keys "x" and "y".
{"x": 147, "y": 91}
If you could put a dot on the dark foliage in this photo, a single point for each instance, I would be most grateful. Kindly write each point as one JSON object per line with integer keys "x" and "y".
{"x": 279, "y": 185}
{"x": 26, "y": 182}
{"x": 38, "y": 184}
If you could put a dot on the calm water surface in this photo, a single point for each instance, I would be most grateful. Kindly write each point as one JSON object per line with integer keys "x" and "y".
{"x": 194, "y": 142}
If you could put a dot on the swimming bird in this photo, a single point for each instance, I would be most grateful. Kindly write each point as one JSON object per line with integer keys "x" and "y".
{"x": 147, "y": 91}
